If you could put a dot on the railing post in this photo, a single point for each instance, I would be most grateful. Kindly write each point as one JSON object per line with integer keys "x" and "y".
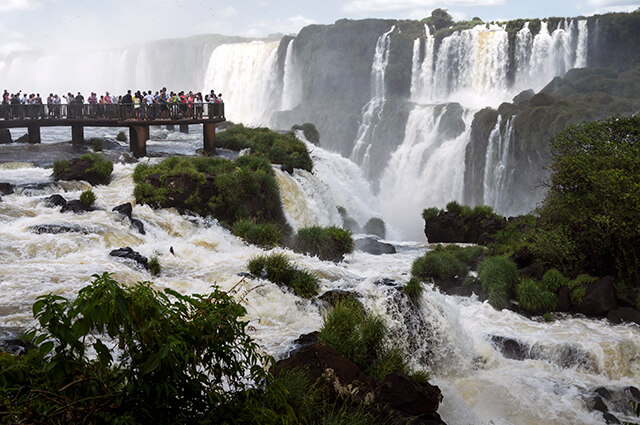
{"x": 209, "y": 137}
{"x": 138, "y": 140}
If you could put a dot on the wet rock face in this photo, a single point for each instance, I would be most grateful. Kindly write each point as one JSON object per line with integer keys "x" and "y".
{"x": 55, "y": 201}
{"x": 5, "y": 136}
{"x": 57, "y": 228}
{"x": 80, "y": 169}
{"x": 450, "y": 227}
{"x": 373, "y": 246}
{"x": 129, "y": 253}
{"x": 6, "y": 188}
{"x": 77, "y": 207}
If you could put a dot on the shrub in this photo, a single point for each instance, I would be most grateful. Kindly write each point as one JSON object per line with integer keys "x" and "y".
{"x": 121, "y": 136}
{"x": 266, "y": 235}
{"x": 154, "y": 266}
{"x": 454, "y": 207}
{"x": 99, "y": 165}
{"x": 430, "y": 213}
{"x": 165, "y": 341}
{"x": 278, "y": 148}
{"x": 553, "y": 280}
{"x": 499, "y": 277}
{"x": 281, "y": 272}
{"x": 87, "y": 198}
{"x": 578, "y": 287}
{"x": 554, "y": 247}
{"x": 60, "y": 167}
{"x": 96, "y": 144}
{"x": 534, "y": 298}
{"x": 413, "y": 289}
{"x": 388, "y": 361}
{"x": 329, "y": 243}
{"x": 446, "y": 262}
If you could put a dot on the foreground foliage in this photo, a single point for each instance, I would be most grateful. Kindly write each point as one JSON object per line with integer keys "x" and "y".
{"x": 277, "y": 148}
{"x": 328, "y": 243}
{"x": 119, "y": 354}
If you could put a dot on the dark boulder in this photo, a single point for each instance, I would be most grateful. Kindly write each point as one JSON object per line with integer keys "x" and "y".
{"x": 55, "y": 201}
{"x": 409, "y": 398}
{"x": 23, "y": 139}
{"x": 304, "y": 340}
{"x": 451, "y": 227}
{"x": 375, "y": 226}
{"x": 523, "y": 96}
{"x": 124, "y": 209}
{"x": 138, "y": 225}
{"x": 334, "y": 296}
{"x": 600, "y": 298}
{"x": 511, "y": 348}
{"x": 5, "y": 136}
{"x": 348, "y": 222}
{"x": 57, "y": 228}
{"x": 129, "y": 253}
{"x": 374, "y": 246}
{"x": 6, "y": 188}
{"x": 386, "y": 281}
{"x": 81, "y": 169}
{"x": 624, "y": 314}
{"x": 77, "y": 207}
{"x": 564, "y": 299}
{"x": 286, "y": 168}
{"x": 610, "y": 419}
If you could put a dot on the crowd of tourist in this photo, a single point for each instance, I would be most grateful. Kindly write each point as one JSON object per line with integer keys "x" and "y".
{"x": 138, "y": 105}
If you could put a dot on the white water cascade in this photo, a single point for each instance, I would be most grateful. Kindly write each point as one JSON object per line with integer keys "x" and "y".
{"x": 292, "y": 80}
{"x": 496, "y": 166}
{"x": 372, "y": 111}
{"x": 422, "y": 71}
{"x": 247, "y": 71}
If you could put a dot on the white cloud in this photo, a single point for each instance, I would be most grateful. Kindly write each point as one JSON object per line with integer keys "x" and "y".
{"x": 9, "y": 5}
{"x": 612, "y": 3}
{"x": 289, "y": 25}
{"x": 227, "y": 12}
{"x": 368, "y": 6}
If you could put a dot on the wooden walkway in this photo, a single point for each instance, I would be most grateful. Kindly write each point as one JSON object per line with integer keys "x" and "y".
{"x": 138, "y": 120}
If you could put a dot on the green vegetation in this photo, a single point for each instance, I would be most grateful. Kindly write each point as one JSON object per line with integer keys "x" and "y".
{"x": 266, "y": 235}
{"x": 446, "y": 262}
{"x": 154, "y": 266}
{"x": 534, "y": 298}
{"x": 280, "y": 271}
{"x": 181, "y": 359}
{"x": 60, "y": 167}
{"x": 578, "y": 287}
{"x": 96, "y": 144}
{"x": 277, "y": 148}
{"x": 227, "y": 190}
{"x": 430, "y": 213}
{"x": 310, "y": 132}
{"x": 87, "y": 198}
{"x": 553, "y": 280}
{"x": 413, "y": 289}
{"x": 99, "y": 165}
{"x": 329, "y": 243}
{"x": 499, "y": 277}
{"x": 121, "y": 136}
{"x": 593, "y": 203}
{"x": 360, "y": 337}
{"x": 439, "y": 19}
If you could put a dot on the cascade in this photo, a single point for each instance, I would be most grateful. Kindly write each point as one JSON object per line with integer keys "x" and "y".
{"x": 581, "y": 49}
{"x": 372, "y": 111}
{"x": 496, "y": 167}
{"x": 247, "y": 71}
{"x": 292, "y": 81}
{"x": 422, "y": 72}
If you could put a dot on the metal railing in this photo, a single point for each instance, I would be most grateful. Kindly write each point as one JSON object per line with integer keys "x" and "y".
{"x": 113, "y": 111}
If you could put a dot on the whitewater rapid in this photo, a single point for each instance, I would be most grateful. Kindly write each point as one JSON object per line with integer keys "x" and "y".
{"x": 449, "y": 336}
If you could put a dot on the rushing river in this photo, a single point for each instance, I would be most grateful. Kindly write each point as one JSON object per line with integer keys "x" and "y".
{"x": 453, "y": 337}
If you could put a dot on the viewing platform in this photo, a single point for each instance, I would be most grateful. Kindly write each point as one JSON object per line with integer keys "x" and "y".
{"x": 138, "y": 118}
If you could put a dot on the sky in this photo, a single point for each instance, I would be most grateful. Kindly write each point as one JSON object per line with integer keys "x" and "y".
{"x": 96, "y": 24}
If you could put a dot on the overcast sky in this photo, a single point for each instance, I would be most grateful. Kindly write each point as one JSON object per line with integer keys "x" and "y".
{"x": 32, "y": 24}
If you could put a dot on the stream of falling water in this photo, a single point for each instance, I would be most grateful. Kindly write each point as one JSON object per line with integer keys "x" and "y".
{"x": 453, "y": 337}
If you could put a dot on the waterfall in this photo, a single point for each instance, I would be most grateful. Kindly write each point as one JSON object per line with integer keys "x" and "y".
{"x": 247, "y": 71}
{"x": 496, "y": 167}
{"x": 422, "y": 71}
{"x": 371, "y": 112}
{"x": 292, "y": 81}
{"x": 581, "y": 50}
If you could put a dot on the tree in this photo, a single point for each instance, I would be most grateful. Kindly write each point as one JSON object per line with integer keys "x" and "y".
{"x": 594, "y": 194}
{"x": 439, "y": 19}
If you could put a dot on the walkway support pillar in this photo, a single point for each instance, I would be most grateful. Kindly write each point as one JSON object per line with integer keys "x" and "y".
{"x": 138, "y": 140}
{"x": 147, "y": 132}
{"x": 77, "y": 134}
{"x": 209, "y": 137}
{"x": 184, "y": 128}
{"x": 171, "y": 127}
{"x": 34, "y": 134}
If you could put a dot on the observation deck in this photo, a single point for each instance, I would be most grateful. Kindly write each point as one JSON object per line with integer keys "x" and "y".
{"x": 137, "y": 118}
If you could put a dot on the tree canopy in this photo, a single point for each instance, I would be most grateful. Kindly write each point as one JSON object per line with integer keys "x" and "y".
{"x": 439, "y": 19}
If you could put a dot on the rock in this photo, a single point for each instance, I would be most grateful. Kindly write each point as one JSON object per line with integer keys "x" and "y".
{"x": 57, "y": 228}
{"x": 523, "y": 96}
{"x": 404, "y": 395}
{"x": 348, "y": 222}
{"x": 14, "y": 346}
{"x": 603, "y": 392}
{"x": 450, "y": 227}
{"x": 624, "y": 314}
{"x": 386, "y": 281}
{"x": 55, "y": 201}
{"x": 599, "y": 405}
{"x": 124, "y": 209}
{"x": 510, "y": 348}
{"x": 287, "y": 168}
{"x": 77, "y": 207}
{"x": 138, "y": 225}
{"x": 375, "y": 226}
{"x": 564, "y": 299}
{"x": 128, "y": 252}
{"x": 336, "y": 295}
{"x": 535, "y": 270}
{"x": 522, "y": 257}
{"x": 451, "y": 124}
{"x": 610, "y": 419}
{"x": 23, "y": 139}
{"x": 5, "y": 136}
{"x": 541, "y": 99}
{"x": 600, "y": 298}
{"x": 80, "y": 169}
{"x": 373, "y": 246}
{"x": 306, "y": 340}
{"x": 6, "y": 188}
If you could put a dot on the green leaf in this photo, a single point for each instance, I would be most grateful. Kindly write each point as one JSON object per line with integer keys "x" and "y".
{"x": 46, "y": 348}
{"x": 122, "y": 307}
